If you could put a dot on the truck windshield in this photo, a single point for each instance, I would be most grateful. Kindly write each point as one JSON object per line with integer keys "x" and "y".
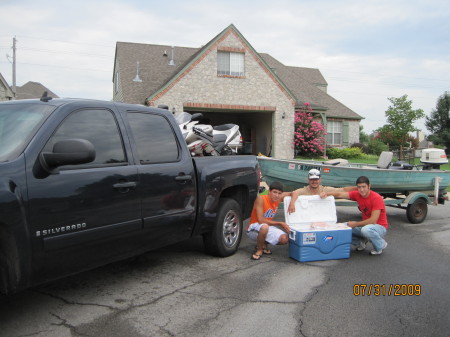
{"x": 18, "y": 124}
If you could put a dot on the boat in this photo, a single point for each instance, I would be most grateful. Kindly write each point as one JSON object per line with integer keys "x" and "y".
{"x": 410, "y": 185}
{"x": 385, "y": 177}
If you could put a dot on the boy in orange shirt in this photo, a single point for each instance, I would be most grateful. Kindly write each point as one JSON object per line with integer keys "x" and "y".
{"x": 263, "y": 229}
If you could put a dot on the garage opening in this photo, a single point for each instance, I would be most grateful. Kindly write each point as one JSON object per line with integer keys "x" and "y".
{"x": 255, "y": 126}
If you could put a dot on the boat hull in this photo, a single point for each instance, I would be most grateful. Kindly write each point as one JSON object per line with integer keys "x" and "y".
{"x": 294, "y": 174}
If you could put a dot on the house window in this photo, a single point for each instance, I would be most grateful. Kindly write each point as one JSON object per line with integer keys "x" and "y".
{"x": 334, "y": 133}
{"x": 229, "y": 63}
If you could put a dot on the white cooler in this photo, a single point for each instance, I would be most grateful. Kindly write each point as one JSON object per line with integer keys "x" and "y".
{"x": 315, "y": 235}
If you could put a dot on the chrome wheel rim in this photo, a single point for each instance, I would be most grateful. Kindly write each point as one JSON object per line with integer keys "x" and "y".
{"x": 231, "y": 228}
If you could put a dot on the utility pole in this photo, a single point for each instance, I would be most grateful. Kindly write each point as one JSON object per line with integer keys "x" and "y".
{"x": 14, "y": 68}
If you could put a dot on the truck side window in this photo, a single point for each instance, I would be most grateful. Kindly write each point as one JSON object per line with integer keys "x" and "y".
{"x": 100, "y": 128}
{"x": 155, "y": 140}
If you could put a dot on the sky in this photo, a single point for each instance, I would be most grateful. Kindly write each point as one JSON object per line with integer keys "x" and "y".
{"x": 367, "y": 51}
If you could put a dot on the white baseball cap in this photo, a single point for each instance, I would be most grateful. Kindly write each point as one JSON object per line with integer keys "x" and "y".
{"x": 314, "y": 174}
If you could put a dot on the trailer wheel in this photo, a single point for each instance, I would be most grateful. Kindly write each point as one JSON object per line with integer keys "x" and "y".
{"x": 417, "y": 211}
{"x": 225, "y": 237}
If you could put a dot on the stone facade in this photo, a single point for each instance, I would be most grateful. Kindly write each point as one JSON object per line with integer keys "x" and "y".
{"x": 353, "y": 132}
{"x": 257, "y": 91}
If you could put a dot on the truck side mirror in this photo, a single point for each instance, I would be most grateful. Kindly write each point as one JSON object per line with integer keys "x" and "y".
{"x": 68, "y": 152}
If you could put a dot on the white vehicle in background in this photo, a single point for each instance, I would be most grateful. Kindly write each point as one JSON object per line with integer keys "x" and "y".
{"x": 233, "y": 139}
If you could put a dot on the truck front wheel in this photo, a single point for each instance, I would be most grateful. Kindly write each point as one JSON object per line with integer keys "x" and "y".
{"x": 225, "y": 237}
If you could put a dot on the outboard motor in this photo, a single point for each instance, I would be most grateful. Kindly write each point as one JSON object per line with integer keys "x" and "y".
{"x": 432, "y": 159}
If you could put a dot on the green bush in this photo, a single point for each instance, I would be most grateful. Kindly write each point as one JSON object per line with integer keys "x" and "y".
{"x": 347, "y": 153}
{"x": 376, "y": 146}
{"x": 362, "y": 146}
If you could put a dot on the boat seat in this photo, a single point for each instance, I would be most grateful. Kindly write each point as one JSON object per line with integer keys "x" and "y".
{"x": 336, "y": 162}
{"x": 384, "y": 161}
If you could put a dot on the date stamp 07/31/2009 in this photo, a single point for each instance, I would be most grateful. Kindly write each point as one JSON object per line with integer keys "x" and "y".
{"x": 380, "y": 289}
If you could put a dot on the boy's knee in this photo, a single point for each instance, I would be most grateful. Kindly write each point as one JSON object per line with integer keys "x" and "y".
{"x": 365, "y": 231}
{"x": 283, "y": 239}
{"x": 264, "y": 228}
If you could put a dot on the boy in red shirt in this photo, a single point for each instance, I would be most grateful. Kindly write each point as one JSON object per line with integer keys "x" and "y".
{"x": 374, "y": 224}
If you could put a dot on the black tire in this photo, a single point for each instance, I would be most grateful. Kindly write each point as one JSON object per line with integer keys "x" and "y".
{"x": 417, "y": 211}
{"x": 225, "y": 237}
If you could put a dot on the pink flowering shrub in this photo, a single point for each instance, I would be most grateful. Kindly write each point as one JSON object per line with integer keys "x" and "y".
{"x": 309, "y": 136}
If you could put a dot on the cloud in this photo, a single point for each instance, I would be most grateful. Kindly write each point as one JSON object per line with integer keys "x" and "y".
{"x": 367, "y": 51}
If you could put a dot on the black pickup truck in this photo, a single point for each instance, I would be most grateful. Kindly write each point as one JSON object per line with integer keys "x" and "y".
{"x": 84, "y": 183}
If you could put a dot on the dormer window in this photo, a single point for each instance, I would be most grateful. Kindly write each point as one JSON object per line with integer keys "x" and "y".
{"x": 230, "y": 64}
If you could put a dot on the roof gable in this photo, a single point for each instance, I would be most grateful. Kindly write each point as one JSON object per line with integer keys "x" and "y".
{"x": 299, "y": 84}
{"x": 212, "y": 46}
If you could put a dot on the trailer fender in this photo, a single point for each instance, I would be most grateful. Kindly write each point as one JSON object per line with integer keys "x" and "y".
{"x": 411, "y": 198}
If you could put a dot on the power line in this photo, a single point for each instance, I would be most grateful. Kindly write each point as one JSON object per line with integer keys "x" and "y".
{"x": 69, "y": 42}
{"x": 65, "y": 52}
{"x": 53, "y": 66}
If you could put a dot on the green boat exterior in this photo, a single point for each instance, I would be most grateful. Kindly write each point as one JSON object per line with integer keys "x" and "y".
{"x": 293, "y": 174}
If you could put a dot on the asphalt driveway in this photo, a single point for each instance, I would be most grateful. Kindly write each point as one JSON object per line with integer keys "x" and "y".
{"x": 181, "y": 291}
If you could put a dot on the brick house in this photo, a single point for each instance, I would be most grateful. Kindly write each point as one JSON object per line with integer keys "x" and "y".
{"x": 6, "y": 93}
{"x": 230, "y": 82}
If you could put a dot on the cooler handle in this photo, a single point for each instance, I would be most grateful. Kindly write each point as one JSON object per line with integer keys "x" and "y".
{"x": 292, "y": 235}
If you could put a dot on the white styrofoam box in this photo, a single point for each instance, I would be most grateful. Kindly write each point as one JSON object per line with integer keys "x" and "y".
{"x": 310, "y": 209}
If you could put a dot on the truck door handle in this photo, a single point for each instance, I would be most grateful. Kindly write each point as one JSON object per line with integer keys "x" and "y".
{"x": 183, "y": 178}
{"x": 125, "y": 185}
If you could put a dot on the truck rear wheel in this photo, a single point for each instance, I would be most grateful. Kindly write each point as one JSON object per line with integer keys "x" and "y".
{"x": 225, "y": 237}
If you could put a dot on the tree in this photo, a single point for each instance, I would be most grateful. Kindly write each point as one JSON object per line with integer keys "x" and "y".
{"x": 439, "y": 121}
{"x": 363, "y": 137}
{"x": 400, "y": 117}
{"x": 309, "y": 135}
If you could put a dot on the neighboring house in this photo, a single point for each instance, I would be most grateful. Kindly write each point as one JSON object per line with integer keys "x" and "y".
{"x": 422, "y": 142}
{"x": 6, "y": 93}
{"x": 229, "y": 82}
{"x": 33, "y": 90}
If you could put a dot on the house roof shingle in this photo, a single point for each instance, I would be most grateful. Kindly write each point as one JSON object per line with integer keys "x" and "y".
{"x": 154, "y": 68}
{"x": 301, "y": 81}
{"x": 33, "y": 90}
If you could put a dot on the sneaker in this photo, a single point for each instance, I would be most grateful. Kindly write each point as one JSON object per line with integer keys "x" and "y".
{"x": 378, "y": 252}
{"x": 362, "y": 245}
